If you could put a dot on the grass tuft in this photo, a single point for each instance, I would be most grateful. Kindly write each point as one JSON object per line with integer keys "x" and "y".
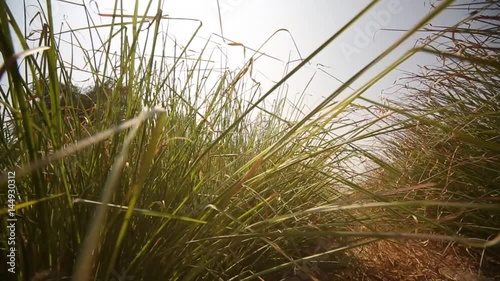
{"x": 162, "y": 166}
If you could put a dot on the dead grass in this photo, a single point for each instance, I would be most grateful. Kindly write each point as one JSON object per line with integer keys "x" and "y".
{"x": 421, "y": 260}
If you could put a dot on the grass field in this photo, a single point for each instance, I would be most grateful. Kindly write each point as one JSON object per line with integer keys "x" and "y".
{"x": 170, "y": 170}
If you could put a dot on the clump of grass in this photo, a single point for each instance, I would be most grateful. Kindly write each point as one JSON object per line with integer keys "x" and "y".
{"x": 460, "y": 94}
{"x": 165, "y": 167}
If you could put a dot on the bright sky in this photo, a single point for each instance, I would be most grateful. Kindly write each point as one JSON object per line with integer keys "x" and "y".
{"x": 309, "y": 22}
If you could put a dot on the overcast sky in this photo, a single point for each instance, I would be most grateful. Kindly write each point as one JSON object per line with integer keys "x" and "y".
{"x": 310, "y": 22}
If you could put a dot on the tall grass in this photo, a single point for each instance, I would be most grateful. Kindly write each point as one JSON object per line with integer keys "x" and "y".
{"x": 460, "y": 95}
{"x": 168, "y": 169}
